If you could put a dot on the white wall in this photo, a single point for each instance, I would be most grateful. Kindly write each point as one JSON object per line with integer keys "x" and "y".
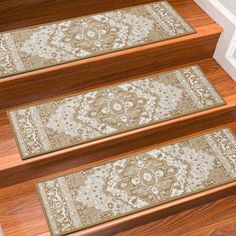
{"x": 224, "y": 13}
{"x": 230, "y": 5}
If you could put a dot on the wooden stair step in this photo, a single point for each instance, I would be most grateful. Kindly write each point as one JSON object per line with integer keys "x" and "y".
{"x": 10, "y": 161}
{"x": 27, "y": 206}
{"x": 102, "y": 69}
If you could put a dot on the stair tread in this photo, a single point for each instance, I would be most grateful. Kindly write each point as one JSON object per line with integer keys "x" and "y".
{"x": 9, "y": 155}
{"x": 24, "y": 196}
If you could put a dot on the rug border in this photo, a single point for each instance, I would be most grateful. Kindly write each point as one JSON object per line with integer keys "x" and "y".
{"x": 223, "y": 103}
{"x": 124, "y": 156}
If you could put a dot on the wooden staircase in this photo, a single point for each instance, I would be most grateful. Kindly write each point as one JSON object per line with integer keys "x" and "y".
{"x": 20, "y": 210}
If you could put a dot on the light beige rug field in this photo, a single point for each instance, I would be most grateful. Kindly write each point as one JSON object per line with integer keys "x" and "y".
{"x": 74, "y": 39}
{"x": 69, "y": 121}
{"x": 125, "y": 186}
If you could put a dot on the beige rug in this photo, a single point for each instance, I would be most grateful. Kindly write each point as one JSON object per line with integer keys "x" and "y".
{"x": 60, "y": 42}
{"x": 69, "y": 121}
{"x": 122, "y": 187}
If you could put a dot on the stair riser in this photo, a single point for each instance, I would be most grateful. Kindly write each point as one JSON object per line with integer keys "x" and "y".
{"x": 114, "y": 67}
{"x": 24, "y": 13}
{"x": 107, "y": 148}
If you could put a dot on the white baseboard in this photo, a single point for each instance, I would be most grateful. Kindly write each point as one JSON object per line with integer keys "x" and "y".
{"x": 231, "y": 51}
{"x": 225, "y": 53}
{"x": 1, "y": 232}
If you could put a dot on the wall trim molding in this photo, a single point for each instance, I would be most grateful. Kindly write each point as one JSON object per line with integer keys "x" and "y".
{"x": 226, "y": 51}
{"x": 224, "y": 11}
{"x": 231, "y": 50}
{"x": 230, "y": 17}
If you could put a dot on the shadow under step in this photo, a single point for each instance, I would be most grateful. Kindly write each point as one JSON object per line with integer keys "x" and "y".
{"x": 11, "y": 162}
{"x": 103, "y": 69}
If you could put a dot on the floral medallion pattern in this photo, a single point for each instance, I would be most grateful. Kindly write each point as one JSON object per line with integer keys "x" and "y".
{"x": 96, "y": 114}
{"x": 125, "y": 186}
{"x": 56, "y": 43}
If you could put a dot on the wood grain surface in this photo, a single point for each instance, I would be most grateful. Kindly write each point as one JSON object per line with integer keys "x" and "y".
{"x": 116, "y": 66}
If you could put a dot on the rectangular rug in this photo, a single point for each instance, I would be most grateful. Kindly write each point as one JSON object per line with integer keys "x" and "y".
{"x": 121, "y": 187}
{"x": 84, "y": 117}
{"x": 74, "y": 39}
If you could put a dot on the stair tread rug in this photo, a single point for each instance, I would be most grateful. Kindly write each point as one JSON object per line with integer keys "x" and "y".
{"x": 69, "y": 121}
{"x": 56, "y": 43}
{"x": 128, "y": 185}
